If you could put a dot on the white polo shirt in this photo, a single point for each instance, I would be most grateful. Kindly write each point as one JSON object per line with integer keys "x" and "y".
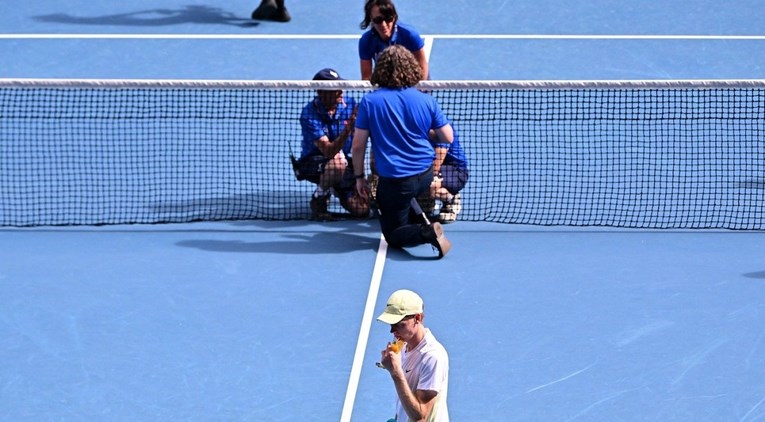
{"x": 426, "y": 367}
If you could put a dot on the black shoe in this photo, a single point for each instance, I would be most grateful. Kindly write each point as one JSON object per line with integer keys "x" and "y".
{"x": 434, "y": 234}
{"x": 264, "y": 11}
{"x": 268, "y": 11}
{"x": 281, "y": 15}
{"x": 319, "y": 206}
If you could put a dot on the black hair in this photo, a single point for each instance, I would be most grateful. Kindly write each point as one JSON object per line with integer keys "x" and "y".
{"x": 387, "y": 9}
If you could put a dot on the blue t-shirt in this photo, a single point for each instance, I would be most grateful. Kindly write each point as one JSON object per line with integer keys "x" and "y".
{"x": 316, "y": 122}
{"x": 371, "y": 45}
{"x": 455, "y": 155}
{"x": 398, "y": 121}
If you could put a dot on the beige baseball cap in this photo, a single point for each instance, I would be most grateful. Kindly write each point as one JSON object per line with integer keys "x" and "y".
{"x": 400, "y": 304}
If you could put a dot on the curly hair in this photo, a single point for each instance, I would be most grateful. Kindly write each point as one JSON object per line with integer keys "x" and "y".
{"x": 396, "y": 68}
{"x": 387, "y": 9}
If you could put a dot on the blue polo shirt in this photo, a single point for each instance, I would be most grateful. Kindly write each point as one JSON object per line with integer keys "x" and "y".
{"x": 371, "y": 45}
{"x": 316, "y": 122}
{"x": 398, "y": 121}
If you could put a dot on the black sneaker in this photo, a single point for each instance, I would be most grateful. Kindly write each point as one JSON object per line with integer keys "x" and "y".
{"x": 319, "y": 206}
{"x": 281, "y": 15}
{"x": 264, "y": 12}
{"x": 434, "y": 234}
{"x": 269, "y": 11}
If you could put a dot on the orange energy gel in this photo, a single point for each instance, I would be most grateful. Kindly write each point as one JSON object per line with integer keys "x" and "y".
{"x": 396, "y": 346}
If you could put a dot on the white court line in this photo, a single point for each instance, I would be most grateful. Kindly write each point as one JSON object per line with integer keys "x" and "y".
{"x": 366, "y": 324}
{"x": 356, "y": 36}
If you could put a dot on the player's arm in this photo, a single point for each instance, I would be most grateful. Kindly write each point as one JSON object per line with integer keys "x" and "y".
{"x": 441, "y": 151}
{"x": 358, "y": 151}
{"x": 417, "y": 404}
{"x": 366, "y": 69}
{"x": 423, "y": 60}
{"x": 441, "y": 138}
{"x": 330, "y": 148}
{"x": 445, "y": 134}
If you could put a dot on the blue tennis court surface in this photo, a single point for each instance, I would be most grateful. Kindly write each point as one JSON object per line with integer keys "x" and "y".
{"x": 253, "y": 320}
{"x": 261, "y": 320}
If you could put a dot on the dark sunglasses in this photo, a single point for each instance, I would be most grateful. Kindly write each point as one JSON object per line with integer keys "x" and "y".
{"x": 400, "y": 324}
{"x": 379, "y": 19}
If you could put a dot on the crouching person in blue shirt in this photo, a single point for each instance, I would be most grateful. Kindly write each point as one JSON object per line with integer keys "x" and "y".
{"x": 327, "y": 124}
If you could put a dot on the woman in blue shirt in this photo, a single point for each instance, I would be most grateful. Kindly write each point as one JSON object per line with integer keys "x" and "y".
{"x": 386, "y": 31}
{"x": 398, "y": 118}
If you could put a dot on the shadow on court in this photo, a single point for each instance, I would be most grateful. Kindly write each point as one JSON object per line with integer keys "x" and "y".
{"x": 294, "y": 244}
{"x": 355, "y": 236}
{"x": 756, "y": 274}
{"x": 196, "y": 14}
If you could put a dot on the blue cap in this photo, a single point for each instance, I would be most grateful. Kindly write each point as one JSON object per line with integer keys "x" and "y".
{"x": 327, "y": 74}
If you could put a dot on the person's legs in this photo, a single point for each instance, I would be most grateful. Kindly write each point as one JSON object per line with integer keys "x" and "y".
{"x": 346, "y": 192}
{"x": 333, "y": 171}
{"x": 314, "y": 168}
{"x": 454, "y": 179}
{"x": 394, "y": 198}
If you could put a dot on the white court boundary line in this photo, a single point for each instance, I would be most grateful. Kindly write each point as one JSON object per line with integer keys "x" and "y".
{"x": 356, "y": 36}
{"x": 369, "y": 308}
{"x": 366, "y": 325}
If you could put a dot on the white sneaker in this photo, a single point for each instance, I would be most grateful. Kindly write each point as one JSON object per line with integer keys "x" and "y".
{"x": 449, "y": 211}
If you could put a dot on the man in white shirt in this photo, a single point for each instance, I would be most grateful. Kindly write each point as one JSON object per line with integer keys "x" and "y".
{"x": 420, "y": 372}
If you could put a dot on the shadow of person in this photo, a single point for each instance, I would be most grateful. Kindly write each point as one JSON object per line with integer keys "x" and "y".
{"x": 290, "y": 244}
{"x": 155, "y": 17}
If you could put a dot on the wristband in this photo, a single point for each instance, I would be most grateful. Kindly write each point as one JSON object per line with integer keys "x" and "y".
{"x": 358, "y": 176}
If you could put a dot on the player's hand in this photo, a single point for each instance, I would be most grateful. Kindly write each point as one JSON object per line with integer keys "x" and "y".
{"x": 390, "y": 360}
{"x": 362, "y": 190}
{"x": 350, "y": 124}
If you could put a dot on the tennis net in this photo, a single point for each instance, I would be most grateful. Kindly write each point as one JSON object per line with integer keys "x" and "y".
{"x": 640, "y": 154}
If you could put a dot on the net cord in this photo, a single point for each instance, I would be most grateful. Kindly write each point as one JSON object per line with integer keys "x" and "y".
{"x": 365, "y": 85}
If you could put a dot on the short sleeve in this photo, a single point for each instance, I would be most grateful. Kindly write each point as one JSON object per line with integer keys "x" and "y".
{"x": 365, "y": 46}
{"x": 434, "y": 374}
{"x": 311, "y": 128}
{"x": 439, "y": 119}
{"x": 362, "y": 117}
{"x": 410, "y": 38}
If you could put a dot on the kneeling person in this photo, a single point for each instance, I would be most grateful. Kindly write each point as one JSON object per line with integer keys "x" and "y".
{"x": 327, "y": 124}
{"x": 450, "y": 174}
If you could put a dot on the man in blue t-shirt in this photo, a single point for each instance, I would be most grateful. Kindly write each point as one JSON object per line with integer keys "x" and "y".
{"x": 398, "y": 118}
{"x": 327, "y": 124}
{"x": 386, "y": 31}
